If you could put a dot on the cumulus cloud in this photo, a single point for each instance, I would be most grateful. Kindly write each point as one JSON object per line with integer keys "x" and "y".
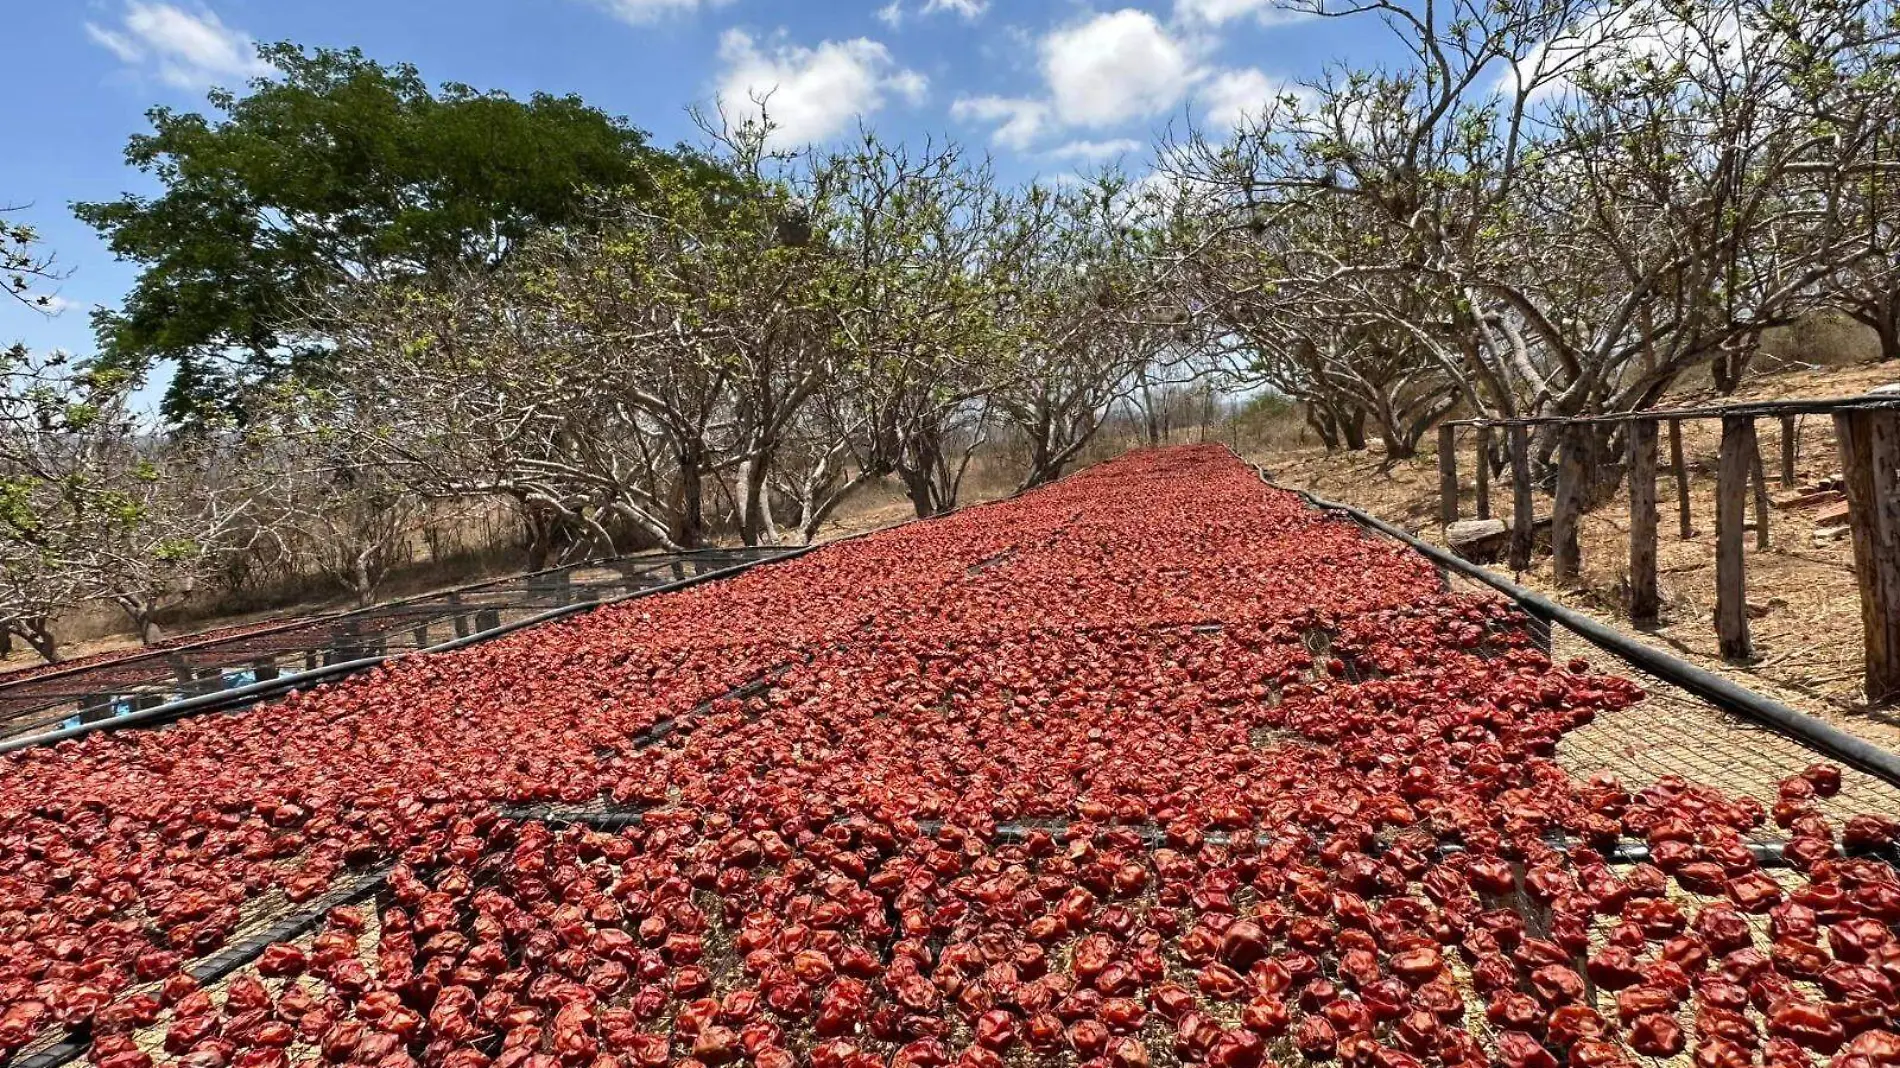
{"x": 188, "y": 49}
{"x": 1103, "y": 71}
{"x": 1115, "y": 67}
{"x": 1019, "y": 122}
{"x": 646, "y": 12}
{"x": 811, "y": 93}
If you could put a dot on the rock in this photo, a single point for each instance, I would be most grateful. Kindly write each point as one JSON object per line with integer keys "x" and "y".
{"x": 1831, "y": 514}
{"x": 1828, "y": 535}
{"x": 1480, "y": 541}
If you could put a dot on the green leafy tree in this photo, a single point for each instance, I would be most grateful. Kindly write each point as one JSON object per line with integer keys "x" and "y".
{"x": 336, "y": 170}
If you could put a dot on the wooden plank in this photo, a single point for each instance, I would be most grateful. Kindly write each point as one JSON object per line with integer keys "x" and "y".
{"x": 1759, "y": 478}
{"x": 1790, "y": 447}
{"x": 1681, "y": 468}
{"x": 1447, "y": 474}
{"x": 1565, "y": 555}
{"x": 1806, "y": 499}
{"x": 1870, "y": 465}
{"x": 1484, "y": 472}
{"x": 1731, "y": 507}
{"x": 1522, "y": 520}
{"x": 1645, "y": 600}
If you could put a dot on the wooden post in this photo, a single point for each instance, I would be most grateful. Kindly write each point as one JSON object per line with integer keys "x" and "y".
{"x": 1681, "y": 468}
{"x": 1759, "y": 479}
{"x": 1484, "y": 472}
{"x": 1645, "y": 602}
{"x": 1522, "y": 533}
{"x": 1731, "y": 507}
{"x": 1565, "y": 556}
{"x": 1790, "y": 448}
{"x": 1870, "y": 466}
{"x": 1447, "y": 474}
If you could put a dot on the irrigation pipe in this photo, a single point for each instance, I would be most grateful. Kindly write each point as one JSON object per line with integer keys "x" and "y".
{"x": 1816, "y": 734}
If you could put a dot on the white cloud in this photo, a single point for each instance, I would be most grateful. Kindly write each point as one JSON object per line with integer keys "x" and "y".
{"x": 1235, "y": 96}
{"x": 1018, "y": 122}
{"x": 1221, "y": 12}
{"x": 894, "y": 13}
{"x": 1097, "y": 151}
{"x": 117, "y": 43}
{"x": 646, "y": 12}
{"x": 1104, "y": 71}
{"x": 969, "y": 9}
{"x": 811, "y": 93}
{"x": 186, "y": 49}
{"x": 1115, "y": 67}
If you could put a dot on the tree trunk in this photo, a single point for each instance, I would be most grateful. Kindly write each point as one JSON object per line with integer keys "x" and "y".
{"x": 1398, "y": 445}
{"x": 1603, "y": 465}
{"x": 1352, "y": 429}
{"x": 1323, "y": 424}
{"x": 691, "y": 528}
{"x": 921, "y": 491}
{"x": 1148, "y": 414}
{"x": 37, "y": 633}
{"x": 539, "y": 523}
{"x": 753, "y": 515}
{"x": 363, "y": 581}
{"x": 1038, "y": 461}
{"x": 1731, "y": 363}
{"x": 140, "y": 611}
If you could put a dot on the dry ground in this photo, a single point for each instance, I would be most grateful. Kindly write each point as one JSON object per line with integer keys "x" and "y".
{"x": 1807, "y": 632}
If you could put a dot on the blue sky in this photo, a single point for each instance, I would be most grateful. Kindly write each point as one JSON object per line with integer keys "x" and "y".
{"x": 1047, "y": 86}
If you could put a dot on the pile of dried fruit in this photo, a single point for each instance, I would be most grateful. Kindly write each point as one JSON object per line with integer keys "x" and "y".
{"x": 1153, "y": 766}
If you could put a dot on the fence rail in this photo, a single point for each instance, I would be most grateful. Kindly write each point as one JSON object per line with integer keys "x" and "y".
{"x": 1867, "y": 430}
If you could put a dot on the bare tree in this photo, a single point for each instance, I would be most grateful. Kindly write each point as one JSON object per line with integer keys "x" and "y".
{"x": 1644, "y": 190}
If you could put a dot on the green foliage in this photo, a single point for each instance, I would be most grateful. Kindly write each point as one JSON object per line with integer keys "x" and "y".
{"x": 339, "y": 168}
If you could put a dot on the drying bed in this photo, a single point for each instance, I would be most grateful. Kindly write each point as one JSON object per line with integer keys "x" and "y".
{"x": 101, "y": 688}
{"x": 1155, "y": 766}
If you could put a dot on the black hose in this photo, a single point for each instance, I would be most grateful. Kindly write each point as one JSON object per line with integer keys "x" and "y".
{"x": 235, "y": 956}
{"x": 1816, "y": 734}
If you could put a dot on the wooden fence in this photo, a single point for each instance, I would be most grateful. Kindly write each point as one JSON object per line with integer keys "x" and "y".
{"x": 1868, "y": 433}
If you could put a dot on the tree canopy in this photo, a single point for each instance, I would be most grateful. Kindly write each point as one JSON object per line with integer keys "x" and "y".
{"x": 336, "y": 169}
